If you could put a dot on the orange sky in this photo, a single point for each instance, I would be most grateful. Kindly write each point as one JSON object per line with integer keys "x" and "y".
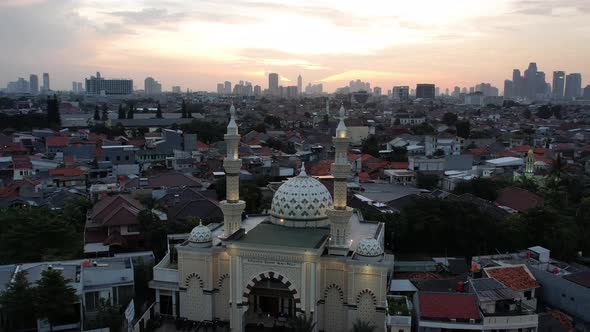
{"x": 196, "y": 44}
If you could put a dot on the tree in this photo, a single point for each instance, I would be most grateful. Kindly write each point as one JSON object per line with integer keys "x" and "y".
{"x": 17, "y": 303}
{"x": 427, "y": 181}
{"x": 109, "y": 316}
{"x": 370, "y": 145}
{"x": 55, "y": 297}
{"x": 480, "y": 187}
{"x": 301, "y": 323}
{"x": 105, "y": 112}
{"x": 130, "y": 111}
{"x": 122, "y": 114}
{"x": 423, "y": 129}
{"x": 53, "y": 117}
{"x": 463, "y": 129}
{"x": 362, "y": 326}
{"x": 159, "y": 112}
{"x": 249, "y": 193}
{"x": 449, "y": 118}
{"x": 183, "y": 109}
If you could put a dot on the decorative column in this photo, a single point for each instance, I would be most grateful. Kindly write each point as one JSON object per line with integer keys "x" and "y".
{"x": 232, "y": 207}
{"x": 530, "y": 163}
{"x": 340, "y": 214}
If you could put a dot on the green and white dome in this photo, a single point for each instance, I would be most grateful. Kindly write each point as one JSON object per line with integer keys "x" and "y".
{"x": 301, "y": 202}
{"x": 200, "y": 236}
{"x": 369, "y": 248}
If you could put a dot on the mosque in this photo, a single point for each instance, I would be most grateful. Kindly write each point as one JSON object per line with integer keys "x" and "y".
{"x": 312, "y": 255}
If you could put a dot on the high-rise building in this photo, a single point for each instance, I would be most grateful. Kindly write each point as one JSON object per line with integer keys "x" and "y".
{"x": 425, "y": 91}
{"x": 99, "y": 86}
{"x": 437, "y": 91}
{"x": 291, "y": 91}
{"x": 314, "y": 89}
{"x": 46, "y": 83}
{"x": 508, "y": 89}
{"x": 273, "y": 84}
{"x": 220, "y": 88}
{"x": 401, "y": 93}
{"x": 33, "y": 84}
{"x": 152, "y": 87}
{"x": 586, "y": 94}
{"x": 299, "y": 85}
{"x": 487, "y": 89}
{"x": 79, "y": 87}
{"x": 517, "y": 83}
{"x": 176, "y": 89}
{"x": 377, "y": 91}
{"x": 227, "y": 87}
{"x": 558, "y": 84}
{"x": 257, "y": 90}
{"x": 530, "y": 80}
{"x": 541, "y": 85}
{"x": 457, "y": 92}
{"x": 75, "y": 87}
{"x": 19, "y": 86}
{"x": 447, "y": 92}
{"x": 573, "y": 85}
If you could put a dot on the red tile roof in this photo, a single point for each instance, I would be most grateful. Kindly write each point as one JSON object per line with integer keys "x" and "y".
{"x": 399, "y": 165}
{"x": 517, "y": 277}
{"x": 57, "y": 141}
{"x": 67, "y": 172}
{"x": 448, "y": 306}
{"x": 541, "y": 150}
{"x": 364, "y": 177}
{"x": 519, "y": 199}
{"x": 521, "y": 148}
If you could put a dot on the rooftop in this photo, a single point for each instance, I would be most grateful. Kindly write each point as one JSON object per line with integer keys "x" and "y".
{"x": 448, "y": 306}
{"x": 275, "y": 235}
{"x": 517, "y": 277}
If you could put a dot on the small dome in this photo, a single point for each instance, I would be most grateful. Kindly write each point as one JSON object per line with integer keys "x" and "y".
{"x": 300, "y": 199}
{"x": 369, "y": 248}
{"x": 200, "y": 235}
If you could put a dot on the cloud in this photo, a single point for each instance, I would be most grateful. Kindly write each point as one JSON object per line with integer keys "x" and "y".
{"x": 148, "y": 16}
{"x": 554, "y": 8}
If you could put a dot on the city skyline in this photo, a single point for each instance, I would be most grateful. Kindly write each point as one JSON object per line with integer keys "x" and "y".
{"x": 456, "y": 43}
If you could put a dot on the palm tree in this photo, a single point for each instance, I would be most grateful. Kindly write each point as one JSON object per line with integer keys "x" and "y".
{"x": 301, "y": 323}
{"x": 362, "y": 326}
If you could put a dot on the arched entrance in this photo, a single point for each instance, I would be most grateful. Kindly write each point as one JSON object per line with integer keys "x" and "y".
{"x": 271, "y": 300}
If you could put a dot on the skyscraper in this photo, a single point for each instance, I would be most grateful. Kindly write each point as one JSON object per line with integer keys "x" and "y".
{"x": 530, "y": 80}
{"x": 401, "y": 93}
{"x": 273, "y": 84}
{"x": 299, "y": 85}
{"x": 152, "y": 87}
{"x": 46, "y": 86}
{"x": 377, "y": 91}
{"x": 34, "y": 84}
{"x": 517, "y": 83}
{"x": 508, "y": 89}
{"x": 220, "y": 88}
{"x": 425, "y": 91}
{"x": 558, "y": 84}
{"x": 227, "y": 87}
{"x": 573, "y": 85}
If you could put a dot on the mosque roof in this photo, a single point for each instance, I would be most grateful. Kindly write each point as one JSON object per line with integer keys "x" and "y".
{"x": 282, "y": 236}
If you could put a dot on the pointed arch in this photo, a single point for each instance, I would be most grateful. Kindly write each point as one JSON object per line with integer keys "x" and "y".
{"x": 271, "y": 275}
{"x": 193, "y": 275}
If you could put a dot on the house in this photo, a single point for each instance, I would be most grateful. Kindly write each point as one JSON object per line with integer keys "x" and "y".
{"x": 519, "y": 199}
{"x": 502, "y": 307}
{"x": 112, "y": 222}
{"x": 518, "y": 278}
{"x": 69, "y": 177}
{"x": 438, "y": 312}
{"x": 55, "y": 144}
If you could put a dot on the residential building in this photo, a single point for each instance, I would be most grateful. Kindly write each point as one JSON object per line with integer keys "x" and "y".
{"x": 46, "y": 85}
{"x": 425, "y": 91}
{"x": 438, "y": 312}
{"x": 377, "y": 91}
{"x": 152, "y": 87}
{"x": 273, "y": 84}
{"x": 401, "y": 93}
{"x": 97, "y": 85}
{"x": 176, "y": 89}
{"x": 558, "y": 84}
{"x": 573, "y": 85}
{"x": 33, "y": 84}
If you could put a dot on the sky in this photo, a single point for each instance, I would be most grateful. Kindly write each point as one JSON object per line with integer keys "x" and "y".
{"x": 199, "y": 43}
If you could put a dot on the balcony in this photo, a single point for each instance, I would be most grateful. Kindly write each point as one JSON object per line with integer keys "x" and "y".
{"x": 511, "y": 321}
{"x": 399, "y": 313}
{"x": 166, "y": 271}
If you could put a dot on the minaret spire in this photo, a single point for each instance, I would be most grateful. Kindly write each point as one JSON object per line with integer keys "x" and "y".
{"x": 232, "y": 207}
{"x": 340, "y": 214}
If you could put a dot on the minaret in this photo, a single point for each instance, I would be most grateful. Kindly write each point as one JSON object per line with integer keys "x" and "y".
{"x": 530, "y": 163}
{"x": 232, "y": 207}
{"x": 340, "y": 214}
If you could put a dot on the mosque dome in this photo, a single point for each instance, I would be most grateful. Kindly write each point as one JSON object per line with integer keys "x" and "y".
{"x": 369, "y": 248}
{"x": 200, "y": 236}
{"x": 301, "y": 201}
